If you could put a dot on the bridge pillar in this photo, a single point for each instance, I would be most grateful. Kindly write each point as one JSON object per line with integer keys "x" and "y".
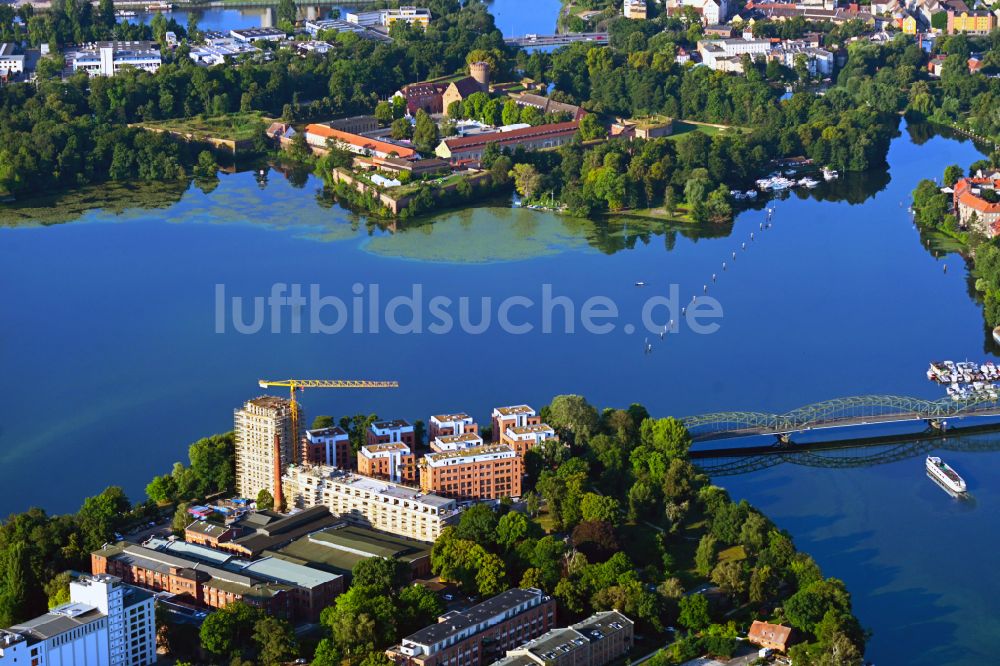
{"x": 937, "y": 424}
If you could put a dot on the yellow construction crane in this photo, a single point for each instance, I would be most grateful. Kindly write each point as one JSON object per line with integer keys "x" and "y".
{"x": 302, "y": 384}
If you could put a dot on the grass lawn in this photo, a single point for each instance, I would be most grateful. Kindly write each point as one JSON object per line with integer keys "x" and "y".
{"x": 413, "y": 186}
{"x": 233, "y": 126}
{"x": 546, "y": 520}
{"x": 682, "y": 127}
{"x": 733, "y": 554}
{"x": 660, "y": 214}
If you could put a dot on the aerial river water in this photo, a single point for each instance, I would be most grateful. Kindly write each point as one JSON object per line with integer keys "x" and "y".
{"x": 513, "y": 17}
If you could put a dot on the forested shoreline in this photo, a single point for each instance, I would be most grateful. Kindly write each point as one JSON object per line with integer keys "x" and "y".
{"x": 63, "y": 134}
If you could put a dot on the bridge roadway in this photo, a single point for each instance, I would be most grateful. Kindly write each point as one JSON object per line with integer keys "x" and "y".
{"x": 599, "y": 38}
{"x": 838, "y": 413}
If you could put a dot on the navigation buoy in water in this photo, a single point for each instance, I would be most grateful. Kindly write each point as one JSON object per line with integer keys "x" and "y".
{"x": 723, "y": 265}
{"x": 704, "y": 289}
{"x": 713, "y": 277}
{"x": 946, "y": 268}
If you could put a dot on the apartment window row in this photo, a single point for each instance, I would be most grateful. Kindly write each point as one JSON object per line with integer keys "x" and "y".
{"x": 74, "y": 634}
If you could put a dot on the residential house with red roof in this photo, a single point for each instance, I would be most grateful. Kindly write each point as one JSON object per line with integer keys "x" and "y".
{"x": 977, "y": 203}
{"x": 767, "y": 635}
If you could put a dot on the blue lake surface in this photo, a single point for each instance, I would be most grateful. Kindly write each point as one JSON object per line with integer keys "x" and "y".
{"x": 513, "y": 17}
{"x": 112, "y": 363}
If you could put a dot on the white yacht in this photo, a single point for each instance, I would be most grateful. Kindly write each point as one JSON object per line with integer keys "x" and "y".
{"x": 939, "y": 470}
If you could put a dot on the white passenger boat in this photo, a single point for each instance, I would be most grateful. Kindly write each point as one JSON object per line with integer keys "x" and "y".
{"x": 949, "y": 479}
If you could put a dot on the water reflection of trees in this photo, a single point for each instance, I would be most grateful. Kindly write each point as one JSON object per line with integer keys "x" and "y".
{"x": 623, "y": 232}
{"x": 854, "y": 188}
{"x": 115, "y": 198}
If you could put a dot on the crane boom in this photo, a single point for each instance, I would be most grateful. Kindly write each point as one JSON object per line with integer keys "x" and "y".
{"x": 301, "y": 384}
{"x": 327, "y": 383}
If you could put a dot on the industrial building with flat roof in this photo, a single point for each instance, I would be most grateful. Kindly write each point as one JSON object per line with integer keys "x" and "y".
{"x": 597, "y": 641}
{"x": 337, "y": 549}
{"x": 213, "y": 578}
{"x": 268, "y": 529}
{"x": 480, "y": 634}
{"x": 108, "y": 58}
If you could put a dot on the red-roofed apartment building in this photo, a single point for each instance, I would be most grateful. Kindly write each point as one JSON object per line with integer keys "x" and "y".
{"x": 973, "y": 209}
{"x": 317, "y": 136}
{"x": 529, "y": 138}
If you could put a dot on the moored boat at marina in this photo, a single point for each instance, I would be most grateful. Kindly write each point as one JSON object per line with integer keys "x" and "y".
{"x": 963, "y": 372}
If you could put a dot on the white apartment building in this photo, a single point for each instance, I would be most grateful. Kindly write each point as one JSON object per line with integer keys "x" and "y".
{"x": 719, "y": 53}
{"x": 512, "y": 416}
{"x": 524, "y": 438}
{"x": 108, "y": 58}
{"x": 444, "y": 443}
{"x": 713, "y": 12}
{"x": 410, "y": 15}
{"x": 819, "y": 62}
{"x": 10, "y": 64}
{"x": 479, "y": 454}
{"x": 367, "y": 502}
{"x": 386, "y": 17}
{"x": 106, "y": 623}
{"x": 366, "y": 19}
{"x": 634, "y": 9}
{"x": 451, "y": 424}
{"x": 260, "y": 459}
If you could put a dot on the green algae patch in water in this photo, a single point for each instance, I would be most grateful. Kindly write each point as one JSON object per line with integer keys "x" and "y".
{"x": 485, "y": 235}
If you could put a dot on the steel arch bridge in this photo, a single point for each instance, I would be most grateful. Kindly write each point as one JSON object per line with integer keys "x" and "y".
{"x": 840, "y": 412}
